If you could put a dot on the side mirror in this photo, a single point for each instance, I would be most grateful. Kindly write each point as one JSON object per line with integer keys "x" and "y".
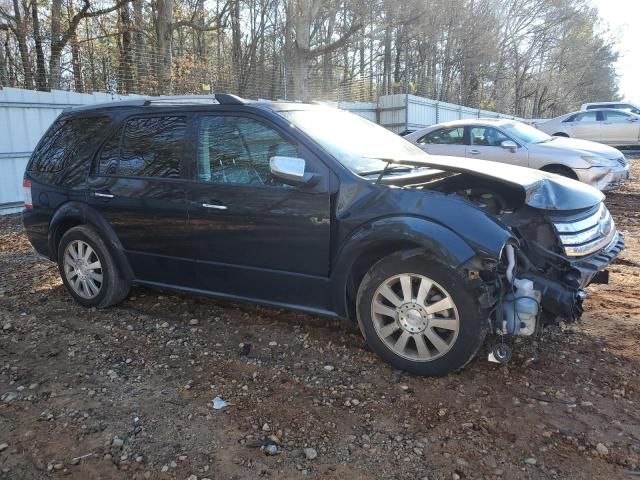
{"x": 291, "y": 170}
{"x": 509, "y": 145}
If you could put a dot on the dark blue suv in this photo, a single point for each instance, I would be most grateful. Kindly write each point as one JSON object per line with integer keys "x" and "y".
{"x": 315, "y": 209}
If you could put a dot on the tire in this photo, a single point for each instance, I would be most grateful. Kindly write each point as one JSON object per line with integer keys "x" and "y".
{"x": 82, "y": 254}
{"x": 560, "y": 170}
{"x": 560, "y": 134}
{"x": 458, "y": 343}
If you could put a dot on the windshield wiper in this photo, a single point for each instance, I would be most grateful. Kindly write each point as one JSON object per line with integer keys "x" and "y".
{"x": 395, "y": 168}
{"x": 387, "y": 168}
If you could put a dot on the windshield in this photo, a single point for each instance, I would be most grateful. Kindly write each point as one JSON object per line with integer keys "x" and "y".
{"x": 360, "y": 145}
{"x": 526, "y": 134}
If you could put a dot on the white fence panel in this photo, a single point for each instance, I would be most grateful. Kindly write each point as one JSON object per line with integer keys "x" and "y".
{"x": 420, "y": 111}
{"x": 402, "y": 112}
{"x": 393, "y": 111}
{"x": 364, "y": 109}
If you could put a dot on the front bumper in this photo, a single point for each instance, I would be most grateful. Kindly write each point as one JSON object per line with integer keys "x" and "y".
{"x": 604, "y": 178}
{"x": 590, "y": 265}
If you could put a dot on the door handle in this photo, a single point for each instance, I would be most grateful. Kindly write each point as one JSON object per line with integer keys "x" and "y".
{"x": 215, "y": 207}
{"x": 474, "y": 152}
{"x": 102, "y": 195}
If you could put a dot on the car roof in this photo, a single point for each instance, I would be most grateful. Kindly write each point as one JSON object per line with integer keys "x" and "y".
{"x": 175, "y": 101}
{"x": 599, "y": 110}
{"x": 471, "y": 122}
{"x": 613, "y": 102}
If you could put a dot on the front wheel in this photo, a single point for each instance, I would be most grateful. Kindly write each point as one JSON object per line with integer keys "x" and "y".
{"x": 419, "y": 315}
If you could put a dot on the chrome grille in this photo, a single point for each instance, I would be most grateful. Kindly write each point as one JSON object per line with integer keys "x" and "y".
{"x": 622, "y": 161}
{"x": 588, "y": 234}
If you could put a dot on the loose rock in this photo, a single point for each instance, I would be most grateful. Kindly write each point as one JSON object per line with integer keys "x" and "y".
{"x": 310, "y": 453}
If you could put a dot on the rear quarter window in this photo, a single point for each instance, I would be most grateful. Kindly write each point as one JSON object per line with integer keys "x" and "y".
{"x": 144, "y": 147}
{"x": 65, "y": 139}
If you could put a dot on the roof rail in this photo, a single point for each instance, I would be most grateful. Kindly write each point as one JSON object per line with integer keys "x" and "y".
{"x": 217, "y": 98}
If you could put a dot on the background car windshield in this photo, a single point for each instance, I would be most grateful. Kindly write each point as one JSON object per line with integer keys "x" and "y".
{"x": 355, "y": 142}
{"x": 526, "y": 134}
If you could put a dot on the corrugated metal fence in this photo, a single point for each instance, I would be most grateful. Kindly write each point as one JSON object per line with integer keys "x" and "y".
{"x": 24, "y": 117}
{"x": 401, "y": 112}
{"x": 26, "y": 114}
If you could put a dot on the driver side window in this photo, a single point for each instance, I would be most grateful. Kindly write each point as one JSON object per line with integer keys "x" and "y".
{"x": 613, "y": 116}
{"x": 237, "y": 150}
{"x": 487, "y": 136}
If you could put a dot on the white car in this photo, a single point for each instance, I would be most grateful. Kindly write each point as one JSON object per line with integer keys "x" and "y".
{"x": 509, "y": 141}
{"x": 604, "y": 125}
{"x": 628, "y": 106}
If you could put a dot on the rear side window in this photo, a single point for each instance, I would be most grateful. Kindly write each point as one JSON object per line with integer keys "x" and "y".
{"x": 583, "y": 117}
{"x": 65, "y": 139}
{"x": 444, "y": 136}
{"x": 145, "y": 147}
{"x": 591, "y": 107}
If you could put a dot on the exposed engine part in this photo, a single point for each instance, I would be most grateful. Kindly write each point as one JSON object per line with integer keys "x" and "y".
{"x": 500, "y": 353}
{"x": 558, "y": 298}
{"x": 518, "y": 312}
{"x": 489, "y": 201}
{"x": 511, "y": 262}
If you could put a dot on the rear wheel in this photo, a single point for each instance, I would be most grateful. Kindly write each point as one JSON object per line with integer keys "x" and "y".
{"x": 419, "y": 315}
{"x": 88, "y": 270}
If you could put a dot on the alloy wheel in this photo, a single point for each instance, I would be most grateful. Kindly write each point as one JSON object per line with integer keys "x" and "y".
{"x": 83, "y": 269}
{"x": 415, "y": 317}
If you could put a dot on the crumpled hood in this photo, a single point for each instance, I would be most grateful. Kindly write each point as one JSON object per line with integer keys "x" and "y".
{"x": 542, "y": 190}
{"x": 584, "y": 147}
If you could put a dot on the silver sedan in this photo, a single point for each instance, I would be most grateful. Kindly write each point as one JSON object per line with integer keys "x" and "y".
{"x": 513, "y": 142}
{"x": 604, "y": 125}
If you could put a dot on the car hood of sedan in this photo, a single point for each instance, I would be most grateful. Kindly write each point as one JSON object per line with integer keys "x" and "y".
{"x": 542, "y": 190}
{"x": 581, "y": 147}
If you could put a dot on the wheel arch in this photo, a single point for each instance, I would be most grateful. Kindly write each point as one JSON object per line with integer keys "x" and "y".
{"x": 375, "y": 241}
{"x": 560, "y": 167}
{"x": 73, "y": 214}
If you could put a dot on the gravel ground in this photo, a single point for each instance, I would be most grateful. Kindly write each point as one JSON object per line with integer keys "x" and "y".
{"x": 127, "y": 392}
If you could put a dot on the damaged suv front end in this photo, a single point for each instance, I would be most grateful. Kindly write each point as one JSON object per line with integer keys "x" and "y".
{"x": 563, "y": 238}
{"x": 509, "y": 248}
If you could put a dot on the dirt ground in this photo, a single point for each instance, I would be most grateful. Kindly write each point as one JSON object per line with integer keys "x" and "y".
{"x": 127, "y": 392}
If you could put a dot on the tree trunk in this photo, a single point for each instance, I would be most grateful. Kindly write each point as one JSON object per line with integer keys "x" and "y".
{"x": 56, "y": 50}
{"x": 76, "y": 62}
{"x": 126, "y": 59}
{"x": 302, "y": 12}
{"x": 11, "y": 72}
{"x": 164, "y": 17}
{"x": 236, "y": 46}
{"x": 21, "y": 37}
{"x": 92, "y": 59}
{"x": 140, "y": 48}
{"x": 386, "y": 63}
{"x": 41, "y": 74}
{"x": 4, "y": 78}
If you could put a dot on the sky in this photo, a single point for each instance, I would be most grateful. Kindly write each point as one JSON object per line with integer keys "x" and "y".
{"x": 622, "y": 17}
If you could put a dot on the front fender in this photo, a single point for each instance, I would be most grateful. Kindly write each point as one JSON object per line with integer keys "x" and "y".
{"x": 81, "y": 213}
{"x": 395, "y": 233}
